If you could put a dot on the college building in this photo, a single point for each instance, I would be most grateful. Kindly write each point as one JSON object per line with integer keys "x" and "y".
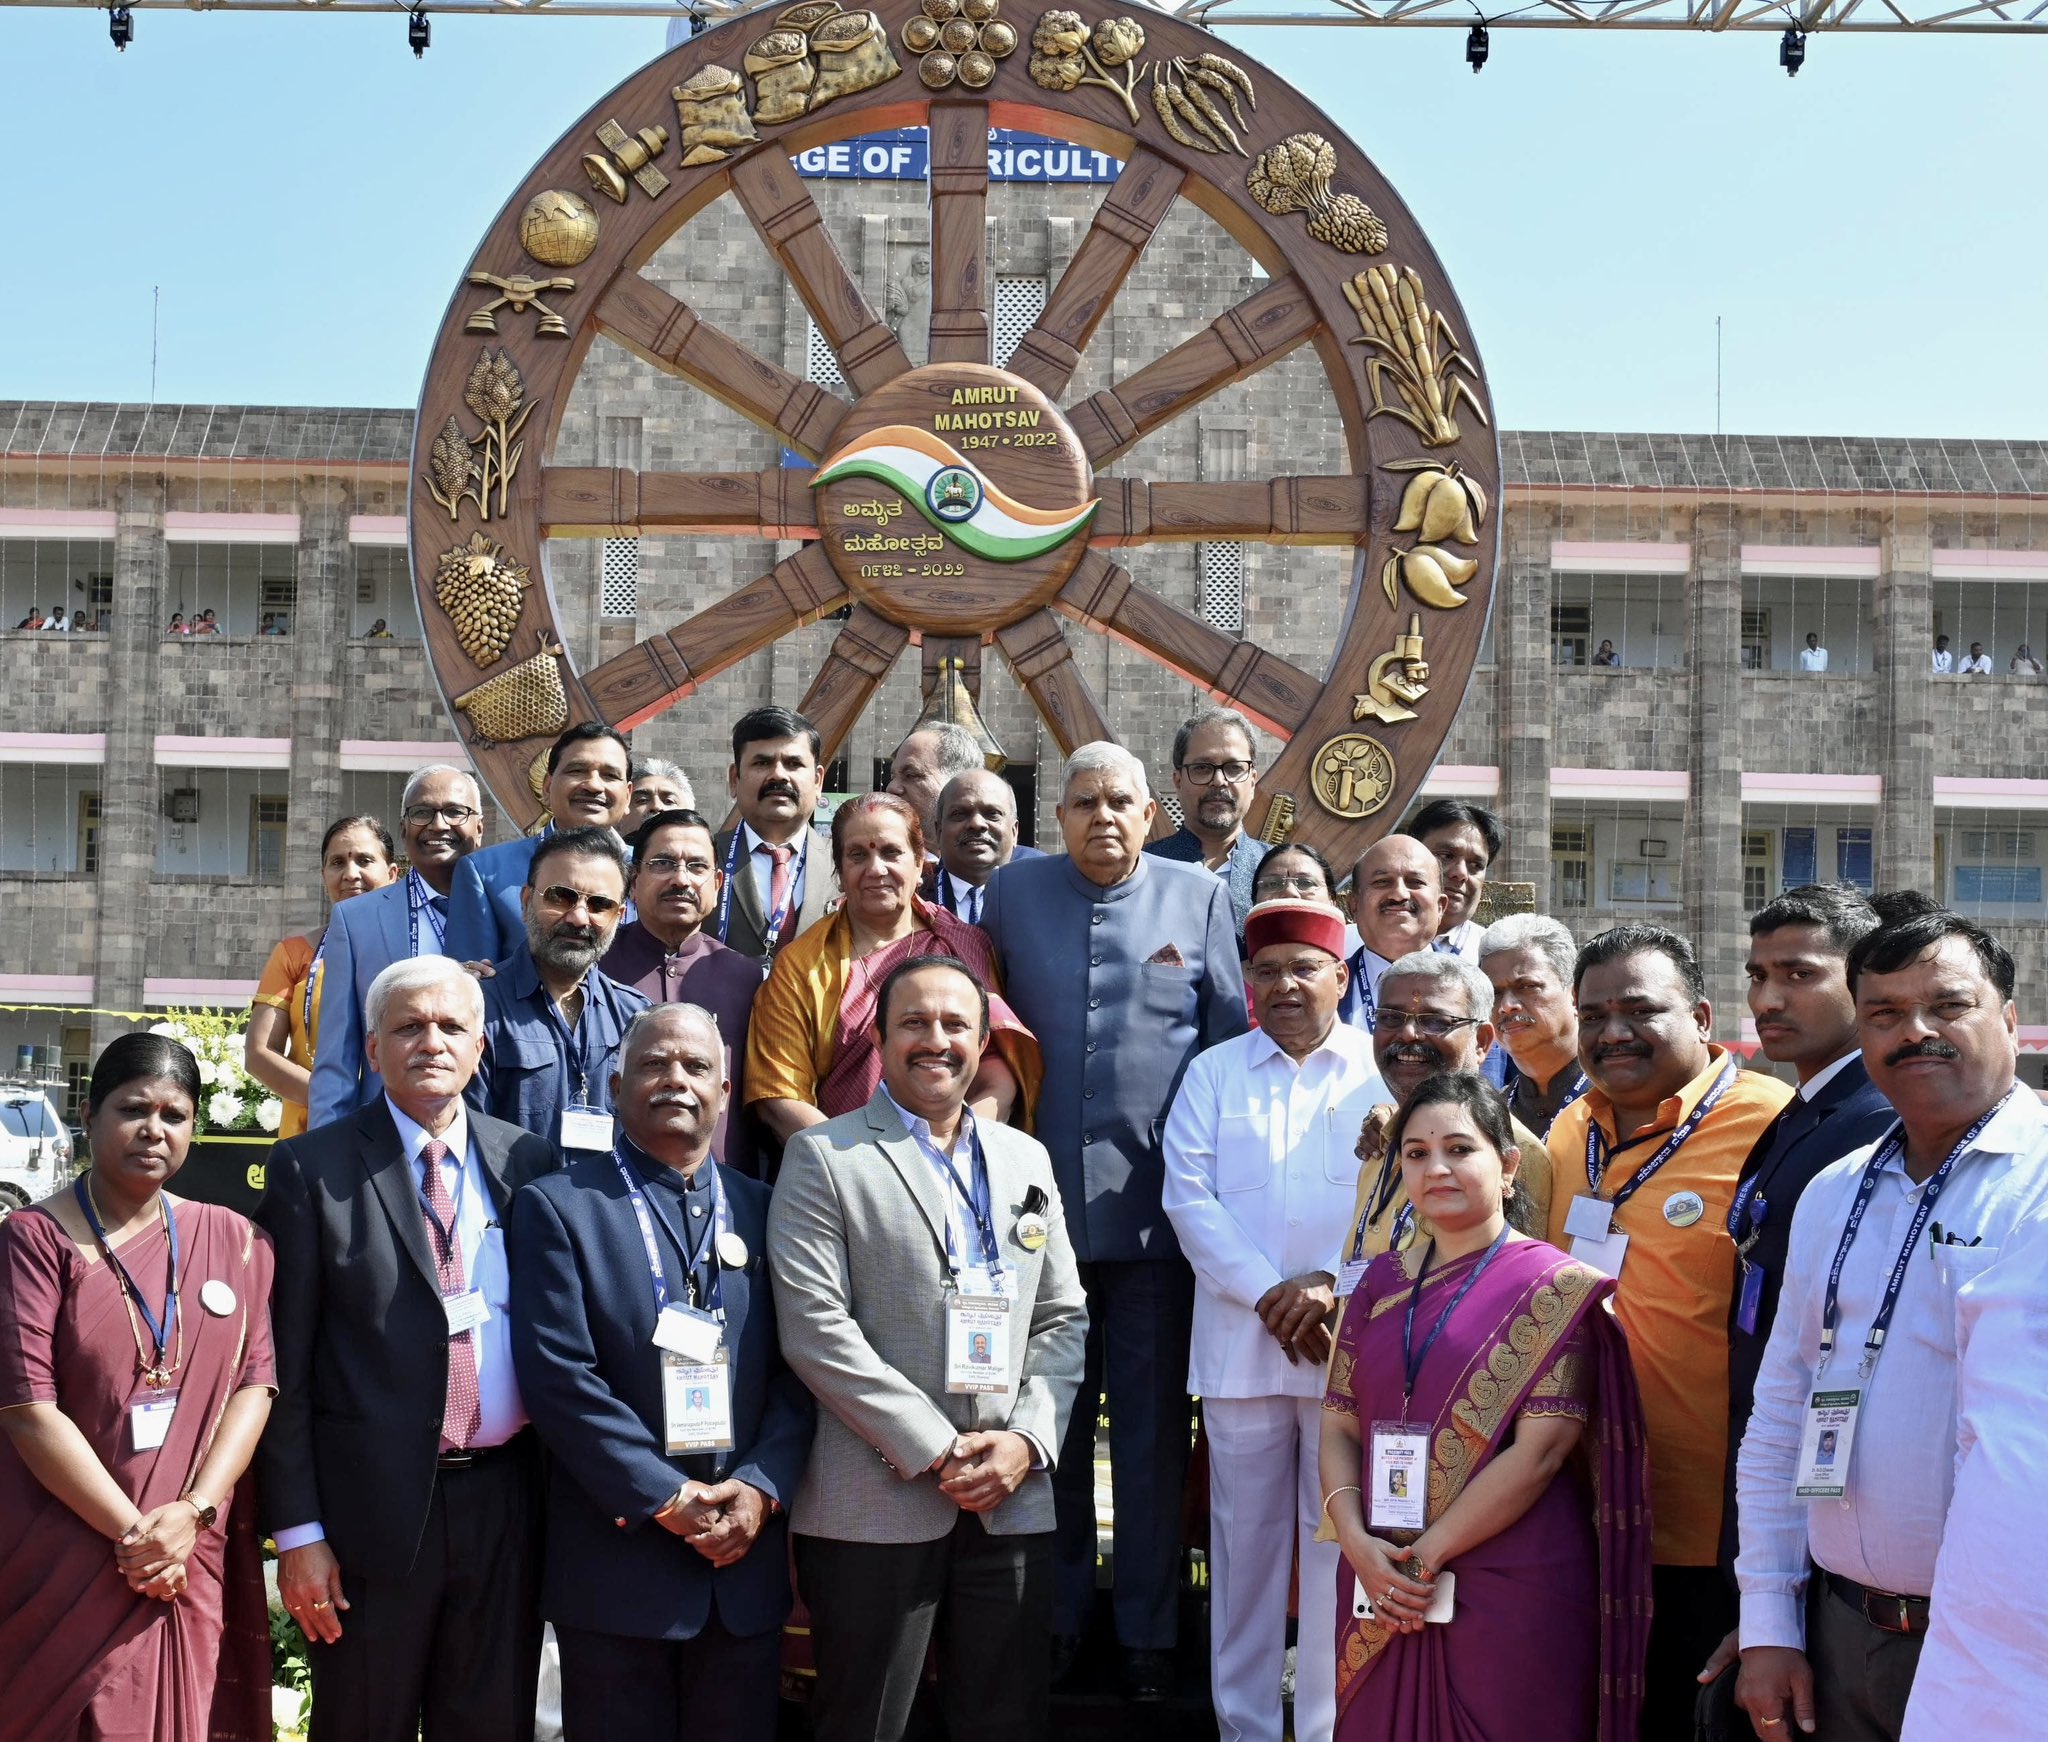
{"x": 162, "y": 795}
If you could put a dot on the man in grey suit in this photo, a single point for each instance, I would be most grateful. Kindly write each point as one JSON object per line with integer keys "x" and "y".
{"x": 927, "y": 1295}
{"x": 1216, "y": 777}
{"x": 1125, "y": 966}
{"x": 777, "y": 868}
{"x": 442, "y": 813}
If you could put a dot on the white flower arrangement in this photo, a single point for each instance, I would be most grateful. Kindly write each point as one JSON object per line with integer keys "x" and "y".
{"x": 224, "y": 1110}
{"x": 270, "y": 1113}
{"x": 238, "y": 1104}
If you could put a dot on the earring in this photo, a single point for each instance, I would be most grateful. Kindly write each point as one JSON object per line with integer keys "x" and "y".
{"x": 1507, "y": 1191}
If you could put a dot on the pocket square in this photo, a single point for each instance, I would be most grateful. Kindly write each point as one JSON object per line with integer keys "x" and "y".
{"x": 1166, "y": 956}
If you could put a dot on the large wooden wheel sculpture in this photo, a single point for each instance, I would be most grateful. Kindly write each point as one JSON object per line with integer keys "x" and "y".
{"x": 957, "y": 499}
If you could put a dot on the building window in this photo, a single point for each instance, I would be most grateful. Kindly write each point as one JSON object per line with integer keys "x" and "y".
{"x": 1756, "y": 640}
{"x": 89, "y": 833}
{"x": 1019, "y": 303}
{"x": 1571, "y": 867}
{"x": 1756, "y": 868}
{"x": 1853, "y": 858}
{"x": 267, "y": 820}
{"x": 1571, "y": 632}
{"x": 619, "y": 588}
{"x": 821, "y": 363}
{"x": 1223, "y": 585}
{"x": 1801, "y": 857}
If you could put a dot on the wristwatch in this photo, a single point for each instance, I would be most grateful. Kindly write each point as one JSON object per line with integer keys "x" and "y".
{"x": 206, "y": 1509}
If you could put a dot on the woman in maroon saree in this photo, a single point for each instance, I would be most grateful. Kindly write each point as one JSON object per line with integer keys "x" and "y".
{"x": 1530, "y": 1466}
{"x": 131, "y": 1585}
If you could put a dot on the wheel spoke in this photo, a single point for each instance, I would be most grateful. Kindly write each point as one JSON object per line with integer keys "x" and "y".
{"x": 1038, "y": 654}
{"x": 860, "y": 659}
{"x": 1324, "y": 510}
{"x": 1125, "y": 222}
{"x": 636, "y": 685}
{"x": 670, "y": 335}
{"x": 959, "y": 177}
{"x": 1274, "y": 693}
{"x": 607, "y": 502}
{"x": 781, "y": 208}
{"x": 1239, "y": 342}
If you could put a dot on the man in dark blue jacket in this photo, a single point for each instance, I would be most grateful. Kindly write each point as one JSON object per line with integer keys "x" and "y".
{"x": 643, "y": 1331}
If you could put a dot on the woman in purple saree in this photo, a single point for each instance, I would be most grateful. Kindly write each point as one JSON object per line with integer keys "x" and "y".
{"x": 1482, "y": 1430}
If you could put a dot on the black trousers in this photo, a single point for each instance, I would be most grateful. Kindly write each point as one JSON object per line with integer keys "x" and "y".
{"x": 449, "y": 1652}
{"x": 1694, "y": 1610}
{"x": 716, "y": 1687}
{"x": 1862, "y": 1675}
{"x": 876, "y": 1608}
{"x": 1139, "y": 1319}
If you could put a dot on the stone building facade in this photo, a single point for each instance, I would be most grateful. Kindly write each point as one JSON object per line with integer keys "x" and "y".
{"x": 161, "y": 798}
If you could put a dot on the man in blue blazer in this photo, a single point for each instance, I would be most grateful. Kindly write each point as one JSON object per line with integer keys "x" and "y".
{"x": 443, "y": 819}
{"x": 666, "y": 1568}
{"x": 1216, "y": 777}
{"x": 1125, "y": 966}
{"x": 589, "y": 786}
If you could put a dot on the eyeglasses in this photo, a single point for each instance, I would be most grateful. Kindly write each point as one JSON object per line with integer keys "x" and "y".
{"x": 1290, "y": 883}
{"x": 665, "y": 865}
{"x": 420, "y": 815}
{"x": 1304, "y": 971}
{"x": 1207, "y": 773}
{"x": 1433, "y": 1027}
{"x": 561, "y": 895}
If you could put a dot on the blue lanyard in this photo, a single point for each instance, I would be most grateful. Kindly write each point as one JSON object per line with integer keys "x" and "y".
{"x": 1596, "y": 1160}
{"x": 420, "y": 899}
{"x": 1577, "y": 1093}
{"x": 1866, "y": 1189}
{"x": 645, "y": 1214}
{"x": 1411, "y": 1362}
{"x": 161, "y": 1331}
{"x": 979, "y": 1207}
{"x": 792, "y": 897}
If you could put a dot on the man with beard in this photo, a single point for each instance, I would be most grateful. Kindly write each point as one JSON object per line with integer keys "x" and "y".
{"x": 775, "y": 869}
{"x": 1216, "y": 779}
{"x": 977, "y": 837}
{"x": 442, "y": 814}
{"x": 588, "y": 786}
{"x": 552, "y": 1024}
{"x": 1466, "y": 839}
{"x": 1835, "y": 1594}
{"x": 1529, "y": 957}
{"x": 932, "y": 755}
{"x": 1657, "y": 1142}
{"x": 666, "y": 1567}
{"x": 1259, "y": 1169}
{"x": 1397, "y": 901}
{"x": 665, "y": 954}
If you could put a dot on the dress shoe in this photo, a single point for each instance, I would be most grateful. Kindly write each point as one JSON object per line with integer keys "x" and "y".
{"x": 1066, "y": 1647}
{"x": 1148, "y": 1676}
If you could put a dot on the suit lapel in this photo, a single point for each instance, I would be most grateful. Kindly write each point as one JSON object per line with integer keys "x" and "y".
{"x": 383, "y": 1159}
{"x": 909, "y": 1162}
{"x": 746, "y": 899}
{"x": 496, "y": 1158}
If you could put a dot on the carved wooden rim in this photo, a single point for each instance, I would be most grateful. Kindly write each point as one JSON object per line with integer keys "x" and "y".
{"x": 1304, "y": 301}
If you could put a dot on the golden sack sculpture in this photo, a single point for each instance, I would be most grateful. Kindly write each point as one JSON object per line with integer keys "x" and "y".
{"x": 1295, "y": 175}
{"x": 1417, "y": 350}
{"x": 528, "y": 701}
{"x": 711, "y": 110}
{"x": 783, "y": 73}
{"x": 853, "y": 54}
{"x": 483, "y": 591}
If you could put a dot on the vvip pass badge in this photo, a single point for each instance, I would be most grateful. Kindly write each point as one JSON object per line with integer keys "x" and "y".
{"x": 1825, "y": 1443}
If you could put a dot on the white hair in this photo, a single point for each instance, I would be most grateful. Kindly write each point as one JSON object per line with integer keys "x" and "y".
{"x": 1550, "y": 938}
{"x": 416, "y": 974}
{"x": 427, "y": 773}
{"x": 957, "y": 750}
{"x": 654, "y": 768}
{"x": 1103, "y": 757}
{"x": 1445, "y": 970}
{"x": 646, "y": 1020}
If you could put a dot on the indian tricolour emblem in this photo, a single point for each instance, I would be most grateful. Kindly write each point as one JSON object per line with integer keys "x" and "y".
{"x": 953, "y": 494}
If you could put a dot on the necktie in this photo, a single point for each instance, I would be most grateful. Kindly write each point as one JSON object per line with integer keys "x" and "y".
{"x": 778, "y": 885}
{"x": 439, "y": 903}
{"x": 974, "y": 907}
{"x": 464, "y": 1412}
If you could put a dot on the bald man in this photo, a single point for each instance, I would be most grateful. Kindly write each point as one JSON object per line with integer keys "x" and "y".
{"x": 1397, "y": 902}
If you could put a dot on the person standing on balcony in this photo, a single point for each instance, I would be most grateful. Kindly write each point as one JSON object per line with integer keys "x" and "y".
{"x": 1813, "y": 656}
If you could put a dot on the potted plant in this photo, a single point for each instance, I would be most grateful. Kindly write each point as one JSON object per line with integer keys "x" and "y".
{"x": 238, "y": 1116}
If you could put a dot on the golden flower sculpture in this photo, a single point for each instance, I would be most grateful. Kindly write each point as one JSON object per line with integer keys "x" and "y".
{"x": 1067, "y": 53}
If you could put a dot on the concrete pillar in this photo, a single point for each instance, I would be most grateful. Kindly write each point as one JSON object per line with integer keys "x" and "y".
{"x": 129, "y": 784}
{"x": 1522, "y": 680}
{"x": 1714, "y": 916}
{"x": 1904, "y": 612}
{"x": 320, "y": 624}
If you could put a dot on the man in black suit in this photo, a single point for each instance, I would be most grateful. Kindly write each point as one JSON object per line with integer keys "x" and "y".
{"x": 396, "y": 1473}
{"x": 977, "y": 837}
{"x": 1805, "y": 1017}
{"x": 777, "y": 868}
{"x": 666, "y": 1572}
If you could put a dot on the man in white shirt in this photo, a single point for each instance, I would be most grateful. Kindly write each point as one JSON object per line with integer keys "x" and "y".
{"x": 1397, "y": 902}
{"x": 1835, "y": 1579}
{"x": 1983, "y": 1673}
{"x": 1944, "y": 660}
{"x": 1259, "y": 1176}
{"x": 1813, "y": 656}
{"x": 1977, "y": 663}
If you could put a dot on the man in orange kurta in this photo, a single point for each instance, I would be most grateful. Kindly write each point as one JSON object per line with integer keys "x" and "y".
{"x": 1644, "y": 1168}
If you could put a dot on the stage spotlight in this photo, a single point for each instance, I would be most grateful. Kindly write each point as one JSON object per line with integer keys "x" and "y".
{"x": 1792, "y": 50}
{"x": 120, "y": 26}
{"x": 417, "y": 33}
{"x": 1475, "y": 47}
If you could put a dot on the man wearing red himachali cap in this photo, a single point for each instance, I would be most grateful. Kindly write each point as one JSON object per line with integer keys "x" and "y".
{"x": 1260, "y": 1173}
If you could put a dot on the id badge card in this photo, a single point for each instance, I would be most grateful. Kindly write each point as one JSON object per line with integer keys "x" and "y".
{"x": 150, "y": 1420}
{"x": 465, "y": 1311}
{"x": 1590, "y": 1223}
{"x": 1399, "y": 1471}
{"x": 586, "y": 1128}
{"x": 1604, "y": 1256}
{"x": 687, "y": 1333}
{"x": 1750, "y": 1299}
{"x": 1825, "y": 1444}
{"x": 977, "y": 1343}
{"x": 696, "y": 1403}
{"x": 1349, "y": 1275}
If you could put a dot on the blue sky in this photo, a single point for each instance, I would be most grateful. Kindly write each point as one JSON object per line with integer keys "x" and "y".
{"x": 306, "y": 195}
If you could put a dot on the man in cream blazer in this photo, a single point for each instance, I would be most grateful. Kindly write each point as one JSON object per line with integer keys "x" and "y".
{"x": 928, "y": 1296}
